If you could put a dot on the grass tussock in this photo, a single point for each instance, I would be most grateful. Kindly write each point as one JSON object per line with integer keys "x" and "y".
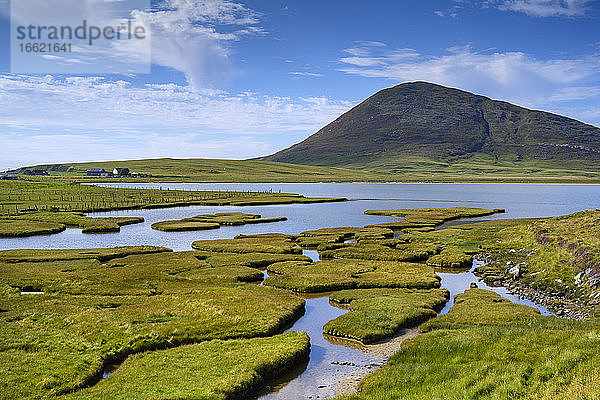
{"x": 451, "y": 258}
{"x": 74, "y": 220}
{"x": 483, "y": 307}
{"x": 258, "y": 244}
{"x": 216, "y": 369}
{"x": 139, "y": 274}
{"x": 322, "y": 238}
{"x": 212, "y": 221}
{"x": 101, "y": 254}
{"x": 11, "y": 228}
{"x": 376, "y": 314}
{"x": 430, "y": 217}
{"x": 329, "y": 275}
{"x": 377, "y": 252}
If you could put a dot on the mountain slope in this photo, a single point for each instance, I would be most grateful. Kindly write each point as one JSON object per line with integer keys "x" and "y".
{"x": 423, "y": 125}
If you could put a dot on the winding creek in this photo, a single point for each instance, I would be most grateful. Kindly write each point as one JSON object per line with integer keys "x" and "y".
{"x": 334, "y": 364}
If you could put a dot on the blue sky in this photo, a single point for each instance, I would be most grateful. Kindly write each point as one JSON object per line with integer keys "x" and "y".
{"x": 243, "y": 79}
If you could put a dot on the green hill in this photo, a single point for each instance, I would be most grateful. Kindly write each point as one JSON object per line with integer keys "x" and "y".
{"x": 421, "y": 129}
{"x": 211, "y": 170}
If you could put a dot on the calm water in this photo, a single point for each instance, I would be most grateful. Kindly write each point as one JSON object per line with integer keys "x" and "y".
{"x": 518, "y": 200}
{"x": 319, "y": 378}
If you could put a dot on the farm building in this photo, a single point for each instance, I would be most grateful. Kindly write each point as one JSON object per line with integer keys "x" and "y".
{"x": 9, "y": 177}
{"x": 121, "y": 171}
{"x": 36, "y": 172}
{"x": 95, "y": 171}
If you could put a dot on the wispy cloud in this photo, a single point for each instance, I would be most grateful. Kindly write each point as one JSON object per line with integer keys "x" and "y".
{"x": 79, "y": 114}
{"x": 192, "y": 36}
{"x": 544, "y": 8}
{"x": 513, "y": 76}
{"x": 310, "y": 74}
{"x": 96, "y": 104}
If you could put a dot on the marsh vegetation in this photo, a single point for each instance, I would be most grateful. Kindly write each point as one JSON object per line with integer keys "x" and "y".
{"x": 200, "y": 313}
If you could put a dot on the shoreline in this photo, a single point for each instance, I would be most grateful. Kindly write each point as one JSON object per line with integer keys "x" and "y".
{"x": 558, "y": 183}
{"x": 383, "y": 349}
{"x": 556, "y": 303}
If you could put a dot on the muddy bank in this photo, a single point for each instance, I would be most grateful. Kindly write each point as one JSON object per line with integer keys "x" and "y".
{"x": 382, "y": 350}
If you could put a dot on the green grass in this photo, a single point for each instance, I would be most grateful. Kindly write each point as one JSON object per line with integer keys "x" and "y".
{"x": 489, "y": 348}
{"x": 483, "y": 307}
{"x": 100, "y": 306}
{"x": 490, "y": 363}
{"x": 139, "y": 274}
{"x": 212, "y": 221}
{"x": 78, "y": 220}
{"x": 252, "y": 260}
{"x": 559, "y": 255}
{"x": 378, "y": 252}
{"x": 472, "y": 238}
{"x": 328, "y": 275}
{"x": 431, "y": 217}
{"x": 58, "y": 195}
{"x": 258, "y": 244}
{"x": 12, "y": 228}
{"x": 327, "y": 236}
{"x": 215, "y": 370}
{"x": 102, "y": 254}
{"x": 451, "y": 258}
{"x": 213, "y": 170}
{"x": 376, "y": 314}
{"x": 481, "y": 168}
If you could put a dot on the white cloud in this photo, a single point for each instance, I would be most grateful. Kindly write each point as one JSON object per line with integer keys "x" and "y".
{"x": 93, "y": 118}
{"x": 545, "y": 8}
{"x": 77, "y": 103}
{"x": 310, "y": 74}
{"x": 512, "y": 76}
{"x": 189, "y": 36}
{"x": 575, "y": 93}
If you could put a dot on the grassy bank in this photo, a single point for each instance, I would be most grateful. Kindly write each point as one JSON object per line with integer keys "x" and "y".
{"x": 430, "y": 217}
{"x": 212, "y": 170}
{"x": 213, "y": 221}
{"x": 480, "y": 169}
{"x": 50, "y": 195}
{"x": 256, "y": 244}
{"x": 489, "y": 348}
{"x": 558, "y": 257}
{"x": 215, "y": 370}
{"x": 379, "y": 313}
{"x": 328, "y": 275}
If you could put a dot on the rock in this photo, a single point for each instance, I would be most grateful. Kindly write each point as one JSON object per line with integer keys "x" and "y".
{"x": 473, "y": 285}
{"x": 579, "y": 279}
{"x": 515, "y": 271}
{"x": 594, "y": 281}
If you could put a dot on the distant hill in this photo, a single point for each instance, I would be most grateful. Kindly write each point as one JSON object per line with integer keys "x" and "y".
{"x": 209, "y": 170}
{"x": 423, "y": 129}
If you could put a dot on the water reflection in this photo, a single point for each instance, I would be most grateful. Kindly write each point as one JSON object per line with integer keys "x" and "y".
{"x": 459, "y": 281}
